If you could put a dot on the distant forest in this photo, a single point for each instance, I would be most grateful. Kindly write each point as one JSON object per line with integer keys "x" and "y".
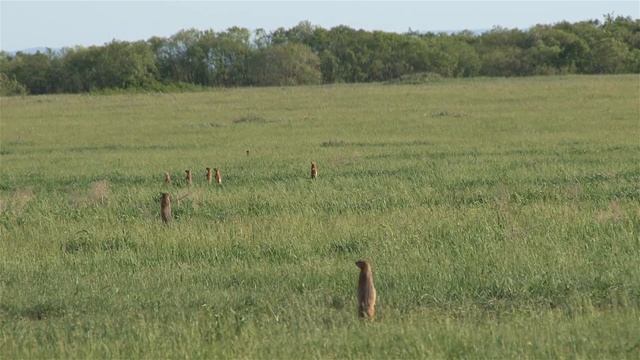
{"x": 308, "y": 54}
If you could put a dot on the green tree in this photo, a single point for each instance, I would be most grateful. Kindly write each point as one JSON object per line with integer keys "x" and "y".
{"x": 284, "y": 64}
{"x": 125, "y": 65}
{"x": 329, "y": 67}
{"x": 227, "y": 57}
{"x": 609, "y": 56}
{"x": 34, "y": 71}
{"x": 505, "y": 61}
{"x": 174, "y": 60}
{"x": 115, "y": 65}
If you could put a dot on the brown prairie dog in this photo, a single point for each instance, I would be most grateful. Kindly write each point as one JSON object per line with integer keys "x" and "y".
{"x": 165, "y": 207}
{"x": 314, "y": 170}
{"x": 218, "y": 176}
{"x": 167, "y": 178}
{"x": 247, "y": 152}
{"x": 189, "y": 178}
{"x": 209, "y": 175}
{"x": 366, "y": 291}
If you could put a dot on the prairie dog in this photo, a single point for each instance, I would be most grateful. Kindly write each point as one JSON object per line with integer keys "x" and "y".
{"x": 167, "y": 178}
{"x": 209, "y": 175}
{"x": 366, "y": 291}
{"x": 247, "y": 152}
{"x": 314, "y": 170}
{"x": 218, "y": 176}
{"x": 189, "y": 178}
{"x": 165, "y": 207}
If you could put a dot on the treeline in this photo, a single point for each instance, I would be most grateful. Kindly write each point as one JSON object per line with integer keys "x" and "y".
{"x": 307, "y": 54}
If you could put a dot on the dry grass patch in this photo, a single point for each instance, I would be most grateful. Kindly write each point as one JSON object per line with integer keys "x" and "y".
{"x": 99, "y": 191}
{"x": 17, "y": 201}
{"x": 97, "y": 194}
{"x": 613, "y": 213}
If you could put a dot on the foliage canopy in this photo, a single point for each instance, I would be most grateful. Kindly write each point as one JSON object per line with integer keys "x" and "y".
{"x": 308, "y": 54}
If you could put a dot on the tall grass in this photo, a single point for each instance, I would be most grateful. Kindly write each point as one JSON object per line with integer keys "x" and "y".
{"x": 502, "y": 218}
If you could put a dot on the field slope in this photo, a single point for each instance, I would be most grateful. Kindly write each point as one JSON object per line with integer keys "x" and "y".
{"x": 502, "y": 218}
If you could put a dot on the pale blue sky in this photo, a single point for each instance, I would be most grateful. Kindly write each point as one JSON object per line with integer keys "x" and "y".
{"x": 57, "y": 24}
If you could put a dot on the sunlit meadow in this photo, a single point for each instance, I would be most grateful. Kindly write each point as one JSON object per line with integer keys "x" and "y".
{"x": 501, "y": 216}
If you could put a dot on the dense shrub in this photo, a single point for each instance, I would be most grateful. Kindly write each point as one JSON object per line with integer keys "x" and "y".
{"x": 11, "y": 87}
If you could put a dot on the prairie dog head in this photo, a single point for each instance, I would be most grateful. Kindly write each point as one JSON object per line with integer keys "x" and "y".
{"x": 363, "y": 265}
{"x": 166, "y": 198}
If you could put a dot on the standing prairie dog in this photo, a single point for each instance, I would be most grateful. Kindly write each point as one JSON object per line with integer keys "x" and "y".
{"x": 366, "y": 291}
{"x": 209, "y": 176}
{"x": 189, "y": 178}
{"x": 165, "y": 207}
{"x": 247, "y": 152}
{"x": 314, "y": 170}
{"x": 218, "y": 176}
{"x": 167, "y": 178}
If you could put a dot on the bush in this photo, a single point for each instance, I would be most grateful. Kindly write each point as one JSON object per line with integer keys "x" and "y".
{"x": 11, "y": 87}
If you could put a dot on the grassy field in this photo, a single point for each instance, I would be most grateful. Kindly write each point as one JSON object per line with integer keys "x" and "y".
{"x": 501, "y": 216}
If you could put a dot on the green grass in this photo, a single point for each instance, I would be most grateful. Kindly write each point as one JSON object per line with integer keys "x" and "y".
{"x": 502, "y": 218}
